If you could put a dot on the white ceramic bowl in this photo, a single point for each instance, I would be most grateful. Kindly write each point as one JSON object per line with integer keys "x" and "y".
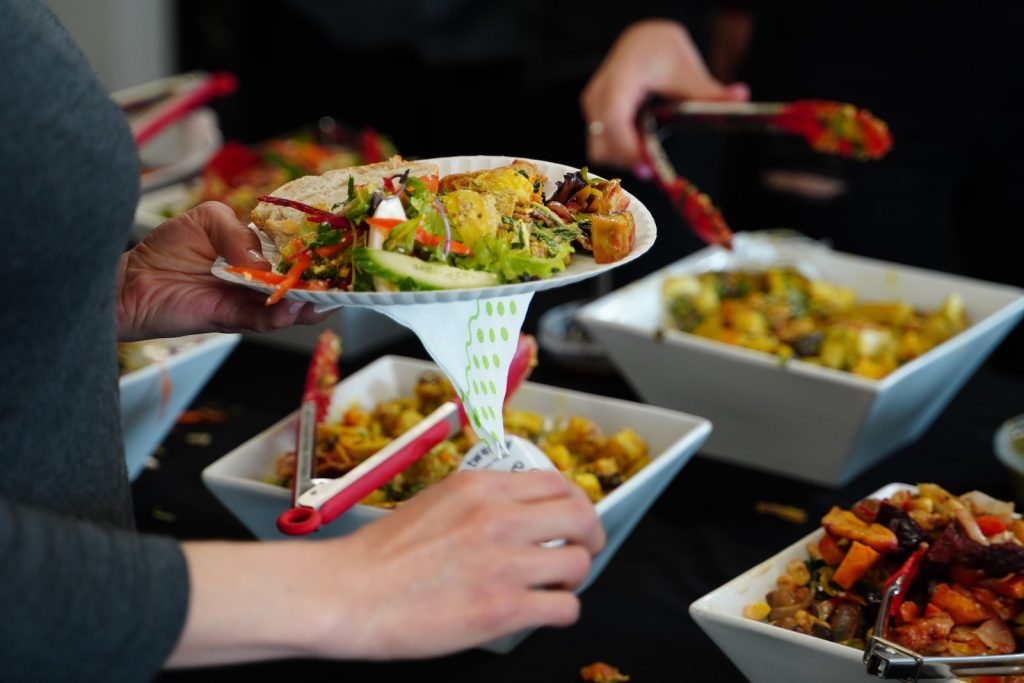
{"x": 770, "y": 654}
{"x": 153, "y": 396}
{"x": 238, "y": 479}
{"x": 181, "y": 150}
{"x": 797, "y": 419}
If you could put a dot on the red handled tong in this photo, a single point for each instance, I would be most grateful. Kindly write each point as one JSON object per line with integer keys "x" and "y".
{"x": 316, "y": 502}
{"x": 702, "y": 217}
{"x": 194, "y": 93}
{"x": 828, "y": 127}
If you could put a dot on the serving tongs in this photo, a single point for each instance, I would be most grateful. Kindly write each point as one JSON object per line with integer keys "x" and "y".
{"x": 695, "y": 207}
{"x": 835, "y": 128}
{"x": 886, "y": 659}
{"x": 319, "y": 501}
{"x": 741, "y": 116}
{"x": 153, "y": 107}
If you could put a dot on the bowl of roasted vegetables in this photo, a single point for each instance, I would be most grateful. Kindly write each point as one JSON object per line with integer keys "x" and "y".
{"x": 159, "y": 379}
{"x": 814, "y": 606}
{"x": 811, "y": 363}
{"x": 621, "y": 453}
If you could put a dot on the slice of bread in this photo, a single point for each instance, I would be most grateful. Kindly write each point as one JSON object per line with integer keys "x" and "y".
{"x": 327, "y": 192}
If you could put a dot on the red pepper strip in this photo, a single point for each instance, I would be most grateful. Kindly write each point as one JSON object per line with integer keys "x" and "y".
{"x": 272, "y": 278}
{"x": 322, "y": 375}
{"x": 699, "y": 213}
{"x": 383, "y": 223}
{"x": 422, "y": 236}
{"x": 431, "y": 181}
{"x": 315, "y": 214}
{"x": 329, "y": 251}
{"x": 909, "y": 569}
{"x": 267, "y": 276}
{"x": 990, "y": 525}
{"x": 371, "y": 147}
{"x": 291, "y": 278}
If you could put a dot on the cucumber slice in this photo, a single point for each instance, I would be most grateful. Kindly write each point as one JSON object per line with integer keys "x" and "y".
{"x": 412, "y": 274}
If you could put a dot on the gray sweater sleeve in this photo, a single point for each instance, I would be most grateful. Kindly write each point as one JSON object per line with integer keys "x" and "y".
{"x": 83, "y": 602}
{"x": 83, "y": 597}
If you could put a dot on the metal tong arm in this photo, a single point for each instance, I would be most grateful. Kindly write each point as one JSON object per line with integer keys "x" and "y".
{"x": 325, "y": 495}
{"x": 891, "y": 661}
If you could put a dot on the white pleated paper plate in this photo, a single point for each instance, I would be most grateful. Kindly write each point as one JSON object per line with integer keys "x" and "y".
{"x": 581, "y": 268}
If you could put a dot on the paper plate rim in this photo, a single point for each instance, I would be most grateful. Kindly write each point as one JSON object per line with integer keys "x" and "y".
{"x": 582, "y": 267}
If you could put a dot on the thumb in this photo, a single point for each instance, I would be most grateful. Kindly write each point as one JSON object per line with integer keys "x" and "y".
{"x": 237, "y": 243}
{"x": 703, "y": 86}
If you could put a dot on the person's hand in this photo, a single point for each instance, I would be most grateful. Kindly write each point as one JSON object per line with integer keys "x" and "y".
{"x": 461, "y": 564}
{"x": 456, "y": 566}
{"x": 650, "y": 57}
{"x": 165, "y": 287}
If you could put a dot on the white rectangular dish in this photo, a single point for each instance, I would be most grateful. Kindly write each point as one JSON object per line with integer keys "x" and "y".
{"x": 801, "y": 420}
{"x": 239, "y": 479}
{"x": 767, "y": 653}
{"x": 153, "y": 396}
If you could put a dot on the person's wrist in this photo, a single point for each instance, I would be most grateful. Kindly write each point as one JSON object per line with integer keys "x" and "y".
{"x": 125, "y": 323}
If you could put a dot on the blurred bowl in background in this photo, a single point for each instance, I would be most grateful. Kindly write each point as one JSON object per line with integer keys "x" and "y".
{"x": 1009, "y": 446}
{"x": 569, "y": 344}
{"x": 181, "y": 150}
{"x": 162, "y": 378}
{"x": 794, "y": 418}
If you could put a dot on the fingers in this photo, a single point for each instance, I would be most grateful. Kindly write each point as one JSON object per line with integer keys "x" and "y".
{"x": 529, "y": 609}
{"x": 538, "y": 507}
{"x": 520, "y": 487}
{"x": 237, "y": 243}
{"x": 650, "y": 57}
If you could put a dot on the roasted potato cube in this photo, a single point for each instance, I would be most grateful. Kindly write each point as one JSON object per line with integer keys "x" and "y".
{"x": 559, "y": 455}
{"x": 590, "y": 485}
{"x": 612, "y": 236}
{"x": 626, "y": 447}
{"x": 524, "y": 423}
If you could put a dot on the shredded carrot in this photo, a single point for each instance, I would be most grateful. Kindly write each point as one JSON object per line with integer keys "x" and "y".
{"x": 293, "y": 276}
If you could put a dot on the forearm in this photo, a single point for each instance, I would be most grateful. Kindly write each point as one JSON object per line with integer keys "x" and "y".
{"x": 251, "y": 601}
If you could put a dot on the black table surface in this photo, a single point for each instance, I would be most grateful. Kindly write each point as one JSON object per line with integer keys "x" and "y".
{"x": 702, "y": 531}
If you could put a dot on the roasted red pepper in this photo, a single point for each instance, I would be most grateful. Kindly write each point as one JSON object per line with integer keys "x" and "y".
{"x": 909, "y": 570}
{"x": 316, "y": 215}
{"x": 323, "y": 373}
{"x": 836, "y": 128}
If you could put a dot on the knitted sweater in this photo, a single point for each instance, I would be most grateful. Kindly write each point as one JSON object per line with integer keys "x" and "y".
{"x": 83, "y": 597}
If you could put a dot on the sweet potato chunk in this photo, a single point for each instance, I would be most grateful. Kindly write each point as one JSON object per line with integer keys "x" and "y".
{"x": 845, "y": 524}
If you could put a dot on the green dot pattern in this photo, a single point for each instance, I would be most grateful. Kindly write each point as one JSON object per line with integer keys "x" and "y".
{"x": 491, "y": 337}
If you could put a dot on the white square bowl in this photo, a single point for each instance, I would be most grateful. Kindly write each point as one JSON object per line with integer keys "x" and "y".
{"x": 766, "y": 653}
{"x": 797, "y": 419}
{"x": 239, "y": 478}
{"x": 153, "y": 396}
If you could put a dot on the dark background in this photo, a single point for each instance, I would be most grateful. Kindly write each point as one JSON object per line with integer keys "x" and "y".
{"x": 455, "y": 77}
{"x": 464, "y": 77}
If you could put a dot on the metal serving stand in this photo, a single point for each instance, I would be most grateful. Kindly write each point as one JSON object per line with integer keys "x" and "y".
{"x": 888, "y": 660}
